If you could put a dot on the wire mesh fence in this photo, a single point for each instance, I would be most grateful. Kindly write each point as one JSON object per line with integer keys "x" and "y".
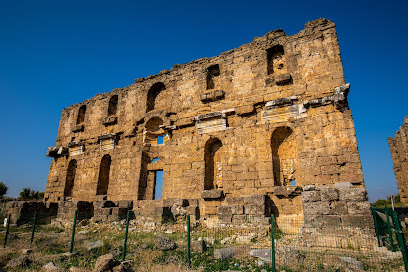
{"x": 254, "y": 244}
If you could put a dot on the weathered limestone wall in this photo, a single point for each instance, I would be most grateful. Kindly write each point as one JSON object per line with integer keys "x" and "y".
{"x": 399, "y": 153}
{"x": 268, "y": 114}
{"x": 337, "y": 217}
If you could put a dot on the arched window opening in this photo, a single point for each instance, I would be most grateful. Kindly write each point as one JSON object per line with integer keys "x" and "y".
{"x": 213, "y": 165}
{"x": 283, "y": 156}
{"x": 275, "y": 59}
{"x": 81, "y": 115}
{"x": 103, "y": 180}
{"x": 152, "y": 94}
{"x": 212, "y": 72}
{"x": 155, "y": 135}
{"x": 70, "y": 180}
{"x": 113, "y": 105}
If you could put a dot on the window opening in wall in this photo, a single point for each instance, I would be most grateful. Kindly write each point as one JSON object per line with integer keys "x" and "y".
{"x": 103, "y": 180}
{"x": 160, "y": 139}
{"x": 213, "y": 165}
{"x": 158, "y": 184}
{"x": 155, "y": 159}
{"x": 81, "y": 115}
{"x": 293, "y": 183}
{"x": 152, "y": 94}
{"x": 275, "y": 59}
{"x": 113, "y": 105}
{"x": 70, "y": 180}
{"x": 212, "y": 72}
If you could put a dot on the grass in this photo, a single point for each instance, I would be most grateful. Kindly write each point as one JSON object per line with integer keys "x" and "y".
{"x": 52, "y": 242}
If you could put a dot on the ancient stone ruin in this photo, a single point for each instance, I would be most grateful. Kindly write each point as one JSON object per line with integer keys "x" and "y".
{"x": 399, "y": 153}
{"x": 235, "y": 136}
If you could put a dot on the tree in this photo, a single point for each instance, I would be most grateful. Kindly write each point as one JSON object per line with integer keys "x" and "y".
{"x": 3, "y": 189}
{"x": 29, "y": 194}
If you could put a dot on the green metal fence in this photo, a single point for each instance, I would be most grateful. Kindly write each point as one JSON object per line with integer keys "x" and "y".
{"x": 256, "y": 243}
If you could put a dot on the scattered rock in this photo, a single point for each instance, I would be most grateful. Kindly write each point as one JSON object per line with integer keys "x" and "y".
{"x": 143, "y": 246}
{"x": 245, "y": 239}
{"x": 171, "y": 259}
{"x": 263, "y": 254}
{"x": 27, "y": 251}
{"x": 83, "y": 232}
{"x": 122, "y": 268}
{"x": 105, "y": 263}
{"x": 230, "y": 252}
{"x": 116, "y": 252}
{"x": 164, "y": 243}
{"x": 289, "y": 254}
{"x": 92, "y": 245}
{"x": 198, "y": 246}
{"x": 352, "y": 263}
{"x": 12, "y": 236}
{"x": 261, "y": 262}
{"x": 209, "y": 240}
{"x": 84, "y": 222}
{"x": 22, "y": 261}
{"x": 51, "y": 267}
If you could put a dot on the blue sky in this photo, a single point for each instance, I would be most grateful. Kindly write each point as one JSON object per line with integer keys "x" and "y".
{"x": 57, "y": 53}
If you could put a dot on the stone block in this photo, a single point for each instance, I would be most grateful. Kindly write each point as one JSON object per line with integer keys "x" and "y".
{"x": 309, "y": 188}
{"x": 358, "y": 221}
{"x": 331, "y": 221}
{"x": 342, "y": 185}
{"x": 316, "y": 208}
{"x": 279, "y": 190}
{"x": 244, "y": 110}
{"x": 125, "y": 204}
{"x": 283, "y": 79}
{"x": 353, "y": 194}
{"x": 328, "y": 194}
{"x": 338, "y": 208}
{"x": 313, "y": 221}
{"x": 212, "y": 194}
{"x": 225, "y": 218}
{"x": 254, "y": 209}
{"x": 231, "y": 209}
{"x": 359, "y": 208}
{"x": 311, "y": 196}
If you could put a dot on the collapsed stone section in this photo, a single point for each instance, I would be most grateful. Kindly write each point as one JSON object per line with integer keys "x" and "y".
{"x": 399, "y": 153}
{"x": 264, "y": 119}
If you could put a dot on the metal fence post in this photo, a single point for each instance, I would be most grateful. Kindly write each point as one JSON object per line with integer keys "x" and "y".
{"x": 126, "y": 236}
{"x": 34, "y": 222}
{"x": 73, "y": 232}
{"x": 387, "y": 213}
{"x": 7, "y": 230}
{"x": 400, "y": 238}
{"x": 273, "y": 243}
{"x": 377, "y": 232}
{"x": 188, "y": 242}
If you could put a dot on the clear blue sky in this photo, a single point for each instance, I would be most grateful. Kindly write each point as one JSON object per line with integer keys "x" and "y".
{"x": 57, "y": 53}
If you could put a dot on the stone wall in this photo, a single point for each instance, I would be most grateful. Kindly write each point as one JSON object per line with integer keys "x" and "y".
{"x": 337, "y": 216}
{"x": 399, "y": 153}
{"x": 268, "y": 114}
{"x": 22, "y": 212}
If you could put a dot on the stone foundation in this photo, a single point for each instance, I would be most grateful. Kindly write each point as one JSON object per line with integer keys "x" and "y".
{"x": 337, "y": 217}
